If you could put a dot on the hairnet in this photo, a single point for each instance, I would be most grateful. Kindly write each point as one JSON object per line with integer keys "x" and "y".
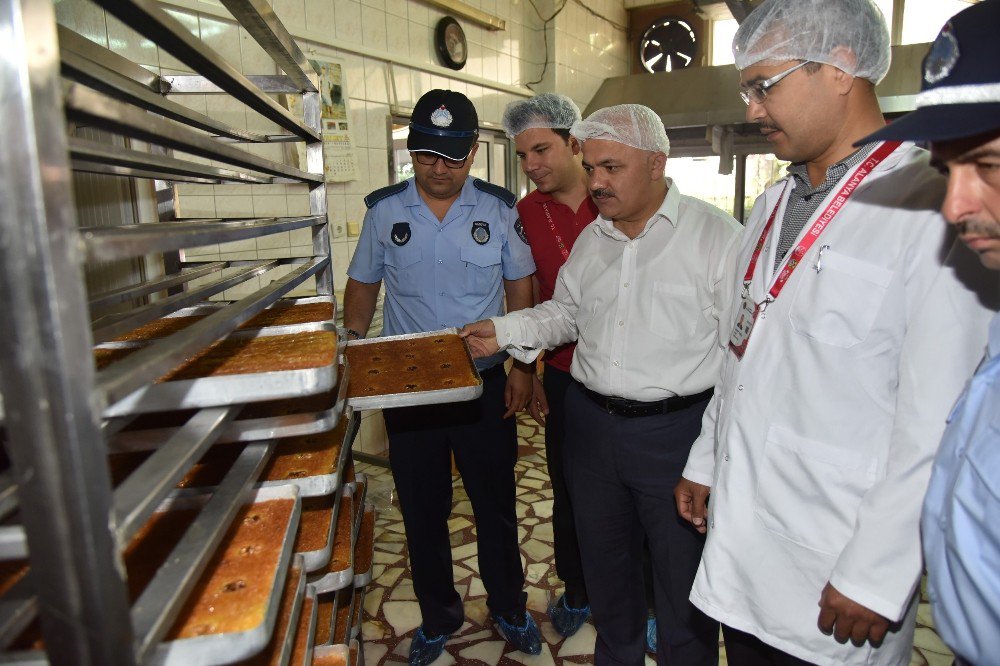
{"x": 848, "y": 34}
{"x": 546, "y": 111}
{"x": 632, "y": 124}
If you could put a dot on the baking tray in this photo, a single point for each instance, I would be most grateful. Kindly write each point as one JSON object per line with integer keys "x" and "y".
{"x": 328, "y": 580}
{"x": 226, "y": 648}
{"x": 322, "y": 484}
{"x": 213, "y": 649}
{"x": 357, "y": 652}
{"x": 343, "y": 612}
{"x": 363, "y": 574}
{"x": 357, "y": 606}
{"x": 302, "y": 649}
{"x": 324, "y": 617}
{"x": 289, "y": 419}
{"x": 331, "y": 655}
{"x": 228, "y": 389}
{"x": 205, "y": 309}
{"x": 407, "y": 399}
{"x": 279, "y": 649}
{"x": 315, "y": 559}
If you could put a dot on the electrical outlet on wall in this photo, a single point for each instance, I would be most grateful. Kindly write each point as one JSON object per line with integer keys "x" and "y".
{"x": 338, "y": 229}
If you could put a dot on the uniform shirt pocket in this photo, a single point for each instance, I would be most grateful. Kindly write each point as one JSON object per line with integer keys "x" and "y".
{"x": 674, "y": 311}
{"x": 403, "y": 264}
{"x": 838, "y": 304}
{"x": 483, "y": 266}
{"x": 809, "y": 492}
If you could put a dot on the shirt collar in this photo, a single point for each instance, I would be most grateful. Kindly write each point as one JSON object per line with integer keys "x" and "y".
{"x": 993, "y": 345}
{"x": 466, "y": 196}
{"x": 669, "y": 210}
{"x": 834, "y": 172}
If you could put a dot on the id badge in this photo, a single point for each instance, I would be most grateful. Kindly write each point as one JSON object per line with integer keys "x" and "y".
{"x": 745, "y": 320}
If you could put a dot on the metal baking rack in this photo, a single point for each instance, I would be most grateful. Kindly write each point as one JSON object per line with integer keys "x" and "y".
{"x": 75, "y": 525}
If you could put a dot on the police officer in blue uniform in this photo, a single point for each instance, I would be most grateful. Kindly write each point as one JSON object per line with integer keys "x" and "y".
{"x": 448, "y": 248}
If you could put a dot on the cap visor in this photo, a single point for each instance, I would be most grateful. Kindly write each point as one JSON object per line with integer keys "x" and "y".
{"x": 452, "y": 148}
{"x": 940, "y": 123}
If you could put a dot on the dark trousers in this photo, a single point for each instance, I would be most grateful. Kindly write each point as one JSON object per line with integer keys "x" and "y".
{"x": 485, "y": 449}
{"x": 743, "y": 649}
{"x": 622, "y": 472}
{"x": 566, "y": 546}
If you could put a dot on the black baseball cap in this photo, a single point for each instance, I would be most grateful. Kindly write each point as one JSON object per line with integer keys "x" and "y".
{"x": 960, "y": 90}
{"x": 443, "y": 122}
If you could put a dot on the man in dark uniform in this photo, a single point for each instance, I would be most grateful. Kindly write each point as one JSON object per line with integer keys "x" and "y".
{"x": 449, "y": 247}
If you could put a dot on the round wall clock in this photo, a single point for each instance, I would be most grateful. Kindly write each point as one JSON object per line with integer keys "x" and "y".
{"x": 668, "y": 44}
{"x": 449, "y": 40}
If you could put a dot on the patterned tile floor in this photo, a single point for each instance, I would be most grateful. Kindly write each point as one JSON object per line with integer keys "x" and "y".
{"x": 392, "y": 615}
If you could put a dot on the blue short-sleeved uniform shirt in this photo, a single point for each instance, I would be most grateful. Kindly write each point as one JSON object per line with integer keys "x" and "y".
{"x": 961, "y": 519}
{"x": 440, "y": 274}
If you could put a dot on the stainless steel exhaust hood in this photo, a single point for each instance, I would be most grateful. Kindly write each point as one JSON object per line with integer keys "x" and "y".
{"x": 704, "y": 115}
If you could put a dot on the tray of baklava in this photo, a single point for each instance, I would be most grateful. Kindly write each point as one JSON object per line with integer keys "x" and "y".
{"x": 279, "y": 649}
{"x": 302, "y": 648}
{"x": 284, "y": 312}
{"x": 288, "y": 417}
{"x": 338, "y": 572}
{"x": 412, "y": 369}
{"x": 246, "y": 366}
{"x": 315, "y": 464}
{"x": 332, "y": 655}
{"x": 233, "y": 609}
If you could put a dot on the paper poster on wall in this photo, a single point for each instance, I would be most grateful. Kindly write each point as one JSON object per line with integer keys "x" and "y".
{"x": 338, "y": 152}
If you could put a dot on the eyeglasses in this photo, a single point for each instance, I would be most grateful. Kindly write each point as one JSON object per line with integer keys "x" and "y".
{"x": 757, "y": 92}
{"x": 430, "y": 159}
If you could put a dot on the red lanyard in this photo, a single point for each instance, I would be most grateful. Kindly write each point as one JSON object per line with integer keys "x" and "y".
{"x": 552, "y": 226}
{"x": 821, "y": 223}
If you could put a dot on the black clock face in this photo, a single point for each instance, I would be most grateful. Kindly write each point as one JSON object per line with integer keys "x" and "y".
{"x": 668, "y": 44}
{"x": 449, "y": 40}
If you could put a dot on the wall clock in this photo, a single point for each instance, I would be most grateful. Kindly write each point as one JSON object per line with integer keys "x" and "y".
{"x": 449, "y": 40}
{"x": 669, "y": 43}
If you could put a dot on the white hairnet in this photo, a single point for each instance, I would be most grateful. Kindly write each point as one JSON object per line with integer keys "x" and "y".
{"x": 632, "y": 124}
{"x": 545, "y": 111}
{"x": 848, "y": 34}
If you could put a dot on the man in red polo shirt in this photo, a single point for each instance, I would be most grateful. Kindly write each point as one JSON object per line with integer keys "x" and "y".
{"x": 552, "y": 217}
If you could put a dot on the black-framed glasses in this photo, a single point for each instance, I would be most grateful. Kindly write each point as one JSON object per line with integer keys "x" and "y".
{"x": 757, "y": 92}
{"x": 430, "y": 159}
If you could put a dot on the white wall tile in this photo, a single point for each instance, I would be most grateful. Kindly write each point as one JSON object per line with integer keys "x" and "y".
{"x": 376, "y": 80}
{"x": 321, "y": 16}
{"x": 373, "y": 28}
{"x": 348, "y": 21}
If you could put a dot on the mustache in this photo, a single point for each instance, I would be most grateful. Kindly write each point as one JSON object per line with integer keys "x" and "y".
{"x": 769, "y": 126}
{"x": 979, "y": 228}
{"x": 602, "y": 192}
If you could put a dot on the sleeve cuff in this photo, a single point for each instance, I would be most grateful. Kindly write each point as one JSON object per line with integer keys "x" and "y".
{"x": 865, "y": 596}
{"x": 698, "y": 477}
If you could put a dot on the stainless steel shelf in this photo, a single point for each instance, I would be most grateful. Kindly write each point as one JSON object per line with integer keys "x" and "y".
{"x": 257, "y": 18}
{"x": 91, "y": 107}
{"x": 146, "y": 288}
{"x": 146, "y": 18}
{"x": 101, "y": 158}
{"x": 107, "y": 243}
{"x": 18, "y": 607}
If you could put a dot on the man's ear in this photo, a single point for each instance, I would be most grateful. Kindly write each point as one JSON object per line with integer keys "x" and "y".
{"x": 843, "y": 82}
{"x": 574, "y": 145}
{"x": 657, "y": 163}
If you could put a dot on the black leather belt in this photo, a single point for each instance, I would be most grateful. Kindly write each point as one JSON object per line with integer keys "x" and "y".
{"x": 633, "y": 408}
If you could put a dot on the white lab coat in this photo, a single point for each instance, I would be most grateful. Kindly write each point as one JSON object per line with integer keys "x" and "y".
{"x": 818, "y": 443}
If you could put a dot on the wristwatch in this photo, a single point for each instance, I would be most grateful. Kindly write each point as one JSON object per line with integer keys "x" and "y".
{"x": 351, "y": 331}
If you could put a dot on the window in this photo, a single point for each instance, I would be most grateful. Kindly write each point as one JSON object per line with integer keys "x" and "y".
{"x": 923, "y": 19}
{"x": 723, "y": 32}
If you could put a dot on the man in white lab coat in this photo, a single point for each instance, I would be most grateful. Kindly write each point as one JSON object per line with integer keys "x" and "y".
{"x": 958, "y": 113}
{"x": 860, "y": 320}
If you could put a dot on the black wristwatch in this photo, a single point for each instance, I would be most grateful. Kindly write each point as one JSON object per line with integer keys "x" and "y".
{"x": 351, "y": 331}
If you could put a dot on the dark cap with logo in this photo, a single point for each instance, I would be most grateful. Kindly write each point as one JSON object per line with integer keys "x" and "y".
{"x": 960, "y": 89}
{"x": 443, "y": 122}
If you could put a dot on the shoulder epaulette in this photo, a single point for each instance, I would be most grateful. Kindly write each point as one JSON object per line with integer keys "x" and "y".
{"x": 501, "y": 193}
{"x": 384, "y": 192}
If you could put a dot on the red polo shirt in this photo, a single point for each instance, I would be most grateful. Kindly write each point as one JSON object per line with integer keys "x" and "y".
{"x": 546, "y": 251}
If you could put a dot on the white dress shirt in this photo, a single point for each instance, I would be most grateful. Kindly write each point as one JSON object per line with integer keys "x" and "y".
{"x": 818, "y": 442}
{"x": 645, "y": 311}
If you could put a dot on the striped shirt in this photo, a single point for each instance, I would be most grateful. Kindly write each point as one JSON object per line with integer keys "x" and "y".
{"x": 804, "y": 199}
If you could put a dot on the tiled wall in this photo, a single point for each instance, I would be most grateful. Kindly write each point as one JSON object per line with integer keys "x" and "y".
{"x": 388, "y": 53}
